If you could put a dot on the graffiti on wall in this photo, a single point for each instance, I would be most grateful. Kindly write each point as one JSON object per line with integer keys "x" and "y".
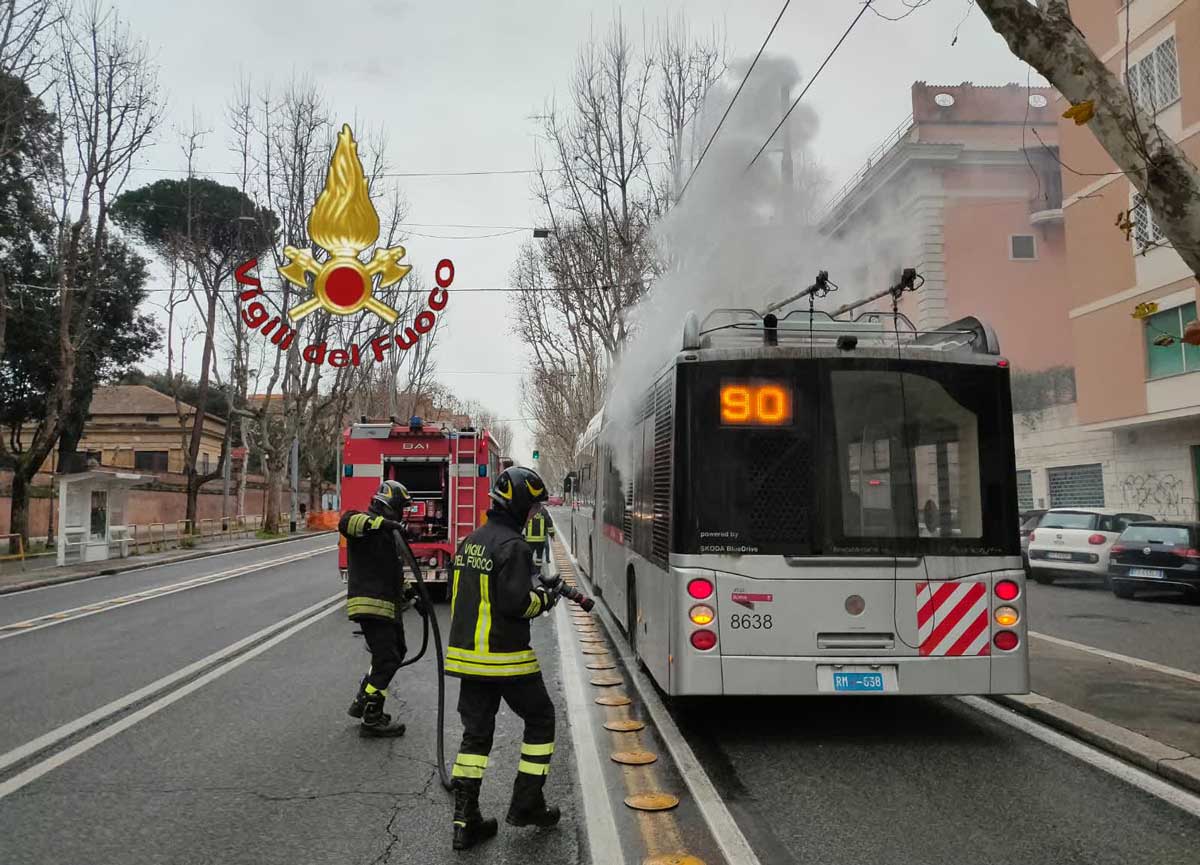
{"x": 1157, "y": 494}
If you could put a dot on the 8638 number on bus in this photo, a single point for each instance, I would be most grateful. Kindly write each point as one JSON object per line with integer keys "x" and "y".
{"x": 751, "y": 622}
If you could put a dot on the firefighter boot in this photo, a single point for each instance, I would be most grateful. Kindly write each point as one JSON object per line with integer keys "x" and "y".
{"x": 360, "y": 700}
{"x": 375, "y": 722}
{"x": 529, "y": 806}
{"x": 469, "y": 825}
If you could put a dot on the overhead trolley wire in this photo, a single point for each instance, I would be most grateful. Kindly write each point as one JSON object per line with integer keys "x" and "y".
{"x": 810, "y": 83}
{"x": 736, "y": 94}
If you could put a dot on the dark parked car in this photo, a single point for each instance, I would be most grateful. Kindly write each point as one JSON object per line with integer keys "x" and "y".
{"x": 1159, "y": 555}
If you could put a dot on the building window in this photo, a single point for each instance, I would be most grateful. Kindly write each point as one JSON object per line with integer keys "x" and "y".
{"x": 204, "y": 463}
{"x": 1025, "y": 490}
{"x": 1178, "y": 357}
{"x": 1076, "y": 486}
{"x": 1154, "y": 80}
{"x": 1022, "y": 246}
{"x": 150, "y": 461}
{"x": 151, "y": 418}
{"x": 1145, "y": 230}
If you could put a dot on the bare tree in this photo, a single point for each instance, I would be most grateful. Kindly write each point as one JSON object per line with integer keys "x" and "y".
{"x": 24, "y": 28}
{"x": 106, "y": 99}
{"x": 1045, "y": 37}
{"x": 601, "y": 187}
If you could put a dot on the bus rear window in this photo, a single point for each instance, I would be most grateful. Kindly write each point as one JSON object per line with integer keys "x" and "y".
{"x": 908, "y": 457}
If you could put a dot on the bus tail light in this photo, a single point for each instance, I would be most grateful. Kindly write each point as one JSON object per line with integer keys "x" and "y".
{"x": 1006, "y": 641}
{"x": 704, "y": 640}
{"x": 1006, "y": 617}
{"x": 1096, "y": 539}
{"x": 701, "y": 614}
{"x": 700, "y": 588}
{"x": 1007, "y": 590}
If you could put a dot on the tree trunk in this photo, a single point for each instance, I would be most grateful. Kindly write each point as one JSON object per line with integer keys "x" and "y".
{"x": 194, "y": 480}
{"x": 273, "y": 482}
{"x": 1048, "y": 40}
{"x": 18, "y": 521}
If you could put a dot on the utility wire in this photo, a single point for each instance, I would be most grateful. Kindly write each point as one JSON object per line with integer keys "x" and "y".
{"x": 182, "y": 292}
{"x": 811, "y": 81}
{"x": 737, "y": 93}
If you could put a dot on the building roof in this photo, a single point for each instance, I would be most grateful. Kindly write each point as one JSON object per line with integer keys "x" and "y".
{"x": 973, "y": 103}
{"x": 132, "y": 399}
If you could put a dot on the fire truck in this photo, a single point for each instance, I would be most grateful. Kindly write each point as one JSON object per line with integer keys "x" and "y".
{"x": 447, "y": 471}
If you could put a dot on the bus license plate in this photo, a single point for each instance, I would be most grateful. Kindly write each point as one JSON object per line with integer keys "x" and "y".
{"x": 1154, "y": 573}
{"x": 857, "y": 682}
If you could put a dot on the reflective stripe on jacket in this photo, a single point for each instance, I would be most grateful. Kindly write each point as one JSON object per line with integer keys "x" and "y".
{"x": 491, "y": 603}
{"x": 535, "y": 529}
{"x": 376, "y": 576}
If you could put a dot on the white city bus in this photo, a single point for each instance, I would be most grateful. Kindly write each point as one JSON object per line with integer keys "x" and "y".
{"x": 816, "y": 507}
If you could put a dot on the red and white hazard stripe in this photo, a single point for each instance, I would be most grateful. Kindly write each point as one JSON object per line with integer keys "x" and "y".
{"x": 952, "y": 618}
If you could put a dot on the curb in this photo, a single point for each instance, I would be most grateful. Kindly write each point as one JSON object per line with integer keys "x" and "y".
{"x": 1178, "y": 767}
{"x": 186, "y": 557}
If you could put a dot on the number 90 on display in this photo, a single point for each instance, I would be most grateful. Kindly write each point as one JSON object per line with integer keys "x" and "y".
{"x": 755, "y": 403}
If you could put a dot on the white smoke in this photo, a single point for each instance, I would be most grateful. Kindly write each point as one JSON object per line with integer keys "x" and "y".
{"x": 741, "y": 238}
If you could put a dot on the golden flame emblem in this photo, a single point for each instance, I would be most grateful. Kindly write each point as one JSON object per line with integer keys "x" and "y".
{"x": 343, "y": 222}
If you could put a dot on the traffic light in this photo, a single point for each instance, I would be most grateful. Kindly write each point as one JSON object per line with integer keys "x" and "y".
{"x": 535, "y": 455}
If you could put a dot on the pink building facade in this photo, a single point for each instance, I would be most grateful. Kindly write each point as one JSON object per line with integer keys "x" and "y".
{"x": 968, "y": 191}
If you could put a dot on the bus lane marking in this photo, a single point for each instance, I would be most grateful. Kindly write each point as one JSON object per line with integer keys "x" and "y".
{"x": 1116, "y": 656}
{"x": 730, "y": 839}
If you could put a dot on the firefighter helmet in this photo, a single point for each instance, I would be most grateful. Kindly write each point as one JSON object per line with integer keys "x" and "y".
{"x": 390, "y": 500}
{"x": 517, "y": 490}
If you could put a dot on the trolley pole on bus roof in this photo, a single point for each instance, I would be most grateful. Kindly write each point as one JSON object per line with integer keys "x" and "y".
{"x": 821, "y": 285}
{"x": 906, "y": 280}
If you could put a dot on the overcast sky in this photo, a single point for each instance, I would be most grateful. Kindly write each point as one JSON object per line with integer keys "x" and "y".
{"x": 456, "y": 82}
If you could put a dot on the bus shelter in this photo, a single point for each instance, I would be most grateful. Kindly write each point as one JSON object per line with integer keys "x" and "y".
{"x": 92, "y": 508}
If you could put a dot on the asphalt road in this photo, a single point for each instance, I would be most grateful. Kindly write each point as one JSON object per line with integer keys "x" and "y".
{"x": 1163, "y": 628}
{"x": 926, "y": 781}
{"x": 257, "y": 765}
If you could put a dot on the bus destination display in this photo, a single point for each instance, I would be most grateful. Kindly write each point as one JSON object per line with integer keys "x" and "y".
{"x": 755, "y": 403}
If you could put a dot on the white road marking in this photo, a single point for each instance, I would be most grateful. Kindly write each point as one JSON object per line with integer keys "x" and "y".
{"x": 1116, "y": 656}
{"x": 68, "y": 583}
{"x": 16, "y": 782}
{"x": 28, "y": 626}
{"x": 603, "y": 840}
{"x": 69, "y": 729}
{"x": 725, "y": 830}
{"x": 1139, "y": 778}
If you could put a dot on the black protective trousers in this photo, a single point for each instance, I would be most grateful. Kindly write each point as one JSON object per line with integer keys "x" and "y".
{"x": 478, "y": 703}
{"x": 385, "y": 640}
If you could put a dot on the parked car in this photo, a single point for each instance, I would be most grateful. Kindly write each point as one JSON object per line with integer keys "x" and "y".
{"x": 1157, "y": 555}
{"x": 554, "y": 500}
{"x": 1029, "y": 521}
{"x": 1074, "y": 542}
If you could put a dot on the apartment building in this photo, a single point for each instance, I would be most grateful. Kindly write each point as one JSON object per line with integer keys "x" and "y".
{"x": 1132, "y": 438}
{"x": 967, "y": 190}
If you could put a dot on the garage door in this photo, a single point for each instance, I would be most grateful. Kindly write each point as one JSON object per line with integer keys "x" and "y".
{"x": 1076, "y": 486}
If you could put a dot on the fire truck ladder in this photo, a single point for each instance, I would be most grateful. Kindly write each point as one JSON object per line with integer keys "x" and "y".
{"x": 464, "y": 484}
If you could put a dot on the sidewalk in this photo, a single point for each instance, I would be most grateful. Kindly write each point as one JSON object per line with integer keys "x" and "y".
{"x": 1149, "y": 718}
{"x": 45, "y": 573}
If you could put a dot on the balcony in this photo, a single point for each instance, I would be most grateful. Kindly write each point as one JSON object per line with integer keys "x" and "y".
{"x": 1046, "y": 205}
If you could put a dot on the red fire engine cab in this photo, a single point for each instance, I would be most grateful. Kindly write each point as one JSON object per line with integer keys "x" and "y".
{"x": 447, "y": 471}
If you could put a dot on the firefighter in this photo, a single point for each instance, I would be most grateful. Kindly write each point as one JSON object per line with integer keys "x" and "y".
{"x": 535, "y": 534}
{"x": 374, "y": 595}
{"x": 491, "y": 604}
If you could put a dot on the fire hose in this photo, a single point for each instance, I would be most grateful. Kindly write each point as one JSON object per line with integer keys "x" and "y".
{"x": 430, "y": 623}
